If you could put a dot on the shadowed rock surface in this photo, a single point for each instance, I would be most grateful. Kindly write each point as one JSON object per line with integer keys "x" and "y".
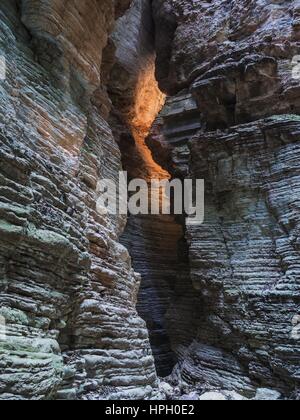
{"x": 235, "y": 59}
{"x": 68, "y": 291}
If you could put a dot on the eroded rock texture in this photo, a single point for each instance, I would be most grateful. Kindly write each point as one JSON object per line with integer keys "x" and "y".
{"x": 235, "y": 60}
{"x": 68, "y": 291}
{"x": 245, "y": 258}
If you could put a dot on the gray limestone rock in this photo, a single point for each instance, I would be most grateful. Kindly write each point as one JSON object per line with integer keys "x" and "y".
{"x": 264, "y": 394}
{"x": 67, "y": 288}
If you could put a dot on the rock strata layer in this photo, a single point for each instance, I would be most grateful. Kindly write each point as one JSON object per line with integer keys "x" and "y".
{"x": 239, "y": 131}
{"x": 68, "y": 290}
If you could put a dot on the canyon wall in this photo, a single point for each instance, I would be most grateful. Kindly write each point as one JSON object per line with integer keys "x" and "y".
{"x": 67, "y": 288}
{"x": 232, "y": 118}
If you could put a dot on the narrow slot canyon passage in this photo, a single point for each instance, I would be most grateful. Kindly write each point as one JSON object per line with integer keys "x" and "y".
{"x": 155, "y": 242}
{"x": 100, "y": 305}
{"x": 152, "y": 241}
{"x": 159, "y": 254}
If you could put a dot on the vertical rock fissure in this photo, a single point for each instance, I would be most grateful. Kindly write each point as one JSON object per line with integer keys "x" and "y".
{"x": 152, "y": 240}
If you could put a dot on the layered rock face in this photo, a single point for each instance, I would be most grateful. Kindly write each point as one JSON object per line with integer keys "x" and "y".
{"x": 234, "y": 60}
{"x": 68, "y": 291}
